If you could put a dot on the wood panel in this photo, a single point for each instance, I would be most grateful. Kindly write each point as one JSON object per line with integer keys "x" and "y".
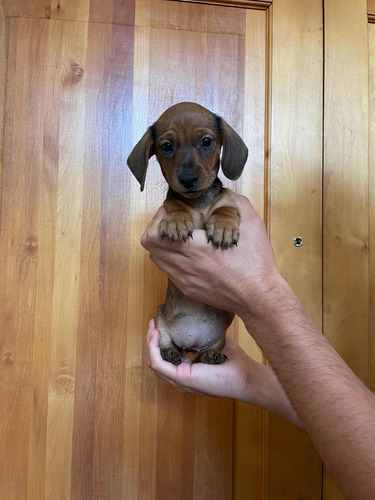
{"x": 371, "y": 211}
{"x": 22, "y": 280}
{"x": 372, "y": 202}
{"x": 346, "y": 216}
{"x": 249, "y": 451}
{"x": 295, "y": 210}
{"x": 3, "y": 50}
{"x": 254, "y": 4}
{"x": 346, "y": 185}
{"x": 81, "y": 415}
{"x": 77, "y": 289}
{"x": 177, "y": 14}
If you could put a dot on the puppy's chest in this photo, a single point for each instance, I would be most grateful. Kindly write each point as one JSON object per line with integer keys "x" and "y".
{"x": 200, "y": 217}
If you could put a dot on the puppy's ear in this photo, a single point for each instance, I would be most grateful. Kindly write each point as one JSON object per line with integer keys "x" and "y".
{"x": 235, "y": 152}
{"x": 138, "y": 158}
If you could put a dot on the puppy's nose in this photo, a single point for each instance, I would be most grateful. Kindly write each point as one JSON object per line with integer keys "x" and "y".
{"x": 188, "y": 179}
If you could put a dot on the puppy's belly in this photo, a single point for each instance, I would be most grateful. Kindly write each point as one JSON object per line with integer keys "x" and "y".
{"x": 196, "y": 332}
{"x": 190, "y": 324}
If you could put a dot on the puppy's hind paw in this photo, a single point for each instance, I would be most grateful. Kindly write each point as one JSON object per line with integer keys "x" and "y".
{"x": 212, "y": 357}
{"x": 170, "y": 354}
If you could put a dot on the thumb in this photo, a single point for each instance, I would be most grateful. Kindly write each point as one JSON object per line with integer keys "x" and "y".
{"x": 152, "y": 230}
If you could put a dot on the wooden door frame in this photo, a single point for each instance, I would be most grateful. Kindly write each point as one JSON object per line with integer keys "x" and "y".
{"x": 244, "y": 4}
{"x": 371, "y": 11}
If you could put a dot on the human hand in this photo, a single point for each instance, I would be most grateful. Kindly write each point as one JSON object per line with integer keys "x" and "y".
{"x": 235, "y": 279}
{"x": 239, "y": 378}
{"x": 229, "y": 379}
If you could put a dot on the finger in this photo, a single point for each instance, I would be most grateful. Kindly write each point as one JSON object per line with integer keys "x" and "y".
{"x": 156, "y": 362}
{"x": 162, "y": 368}
{"x": 151, "y": 328}
{"x": 152, "y": 230}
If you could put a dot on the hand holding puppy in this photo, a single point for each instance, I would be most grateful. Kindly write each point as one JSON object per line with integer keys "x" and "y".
{"x": 231, "y": 279}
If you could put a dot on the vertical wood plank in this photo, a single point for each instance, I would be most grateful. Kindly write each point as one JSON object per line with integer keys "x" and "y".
{"x": 3, "y": 72}
{"x": 346, "y": 216}
{"x": 114, "y": 136}
{"x": 248, "y": 424}
{"x": 296, "y": 195}
{"x": 346, "y": 306}
{"x": 90, "y": 322}
{"x": 140, "y": 417}
{"x": 67, "y": 259}
{"x": 47, "y": 201}
{"x": 371, "y": 183}
{"x": 20, "y": 241}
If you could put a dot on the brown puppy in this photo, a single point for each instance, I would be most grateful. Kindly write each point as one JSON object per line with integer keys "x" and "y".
{"x": 187, "y": 140}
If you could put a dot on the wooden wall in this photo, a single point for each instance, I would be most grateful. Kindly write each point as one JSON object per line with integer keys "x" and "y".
{"x": 81, "y": 415}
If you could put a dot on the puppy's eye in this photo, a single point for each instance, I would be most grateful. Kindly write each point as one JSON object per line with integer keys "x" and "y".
{"x": 207, "y": 142}
{"x": 166, "y": 147}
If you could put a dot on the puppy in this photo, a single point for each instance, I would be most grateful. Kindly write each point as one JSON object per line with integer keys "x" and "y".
{"x": 187, "y": 141}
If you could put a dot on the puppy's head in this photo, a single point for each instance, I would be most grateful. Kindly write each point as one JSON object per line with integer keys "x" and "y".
{"x": 187, "y": 140}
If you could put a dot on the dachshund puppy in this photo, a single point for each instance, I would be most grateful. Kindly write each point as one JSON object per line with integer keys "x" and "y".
{"x": 187, "y": 141}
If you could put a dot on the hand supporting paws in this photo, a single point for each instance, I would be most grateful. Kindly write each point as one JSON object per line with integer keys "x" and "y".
{"x": 223, "y": 227}
{"x": 177, "y": 225}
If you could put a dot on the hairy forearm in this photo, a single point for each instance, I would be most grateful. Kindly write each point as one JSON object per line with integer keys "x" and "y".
{"x": 336, "y": 409}
{"x": 268, "y": 393}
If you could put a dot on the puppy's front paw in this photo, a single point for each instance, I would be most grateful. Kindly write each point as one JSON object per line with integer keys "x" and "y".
{"x": 211, "y": 357}
{"x": 223, "y": 228}
{"x": 170, "y": 354}
{"x": 177, "y": 225}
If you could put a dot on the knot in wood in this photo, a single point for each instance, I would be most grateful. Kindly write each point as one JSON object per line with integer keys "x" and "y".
{"x": 31, "y": 245}
{"x": 64, "y": 384}
{"x": 8, "y": 358}
{"x": 76, "y": 72}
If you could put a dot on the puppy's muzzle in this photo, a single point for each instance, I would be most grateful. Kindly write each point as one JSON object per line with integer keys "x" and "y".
{"x": 188, "y": 179}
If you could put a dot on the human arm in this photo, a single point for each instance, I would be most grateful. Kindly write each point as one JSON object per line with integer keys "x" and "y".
{"x": 335, "y": 408}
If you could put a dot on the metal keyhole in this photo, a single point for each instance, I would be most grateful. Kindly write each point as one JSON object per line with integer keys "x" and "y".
{"x": 298, "y": 241}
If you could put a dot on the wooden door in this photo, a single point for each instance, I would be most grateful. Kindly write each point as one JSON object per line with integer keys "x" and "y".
{"x": 81, "y": 415}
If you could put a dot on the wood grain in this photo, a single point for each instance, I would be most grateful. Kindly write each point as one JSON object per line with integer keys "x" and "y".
{"x": 253, "y": 4}
{"x": 371, "y": 211}
{"x": 249, "y": 421}
{"x": 295, "y": 208}
{"x": 3, "y": 72}
{"x": 346, "y": 307}
{"x": 371, "y": 7}
{"x": 345, "y": 209}
{"x": 22, "y": 275}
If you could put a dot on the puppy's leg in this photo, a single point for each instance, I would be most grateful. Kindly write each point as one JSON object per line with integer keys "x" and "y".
{"x": 213, "y": 355}
{"x": 168, "y": 350}
{"x": 223, "y": 226}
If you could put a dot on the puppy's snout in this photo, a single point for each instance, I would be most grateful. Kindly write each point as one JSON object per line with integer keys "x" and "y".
{"x": 188, "y": 179}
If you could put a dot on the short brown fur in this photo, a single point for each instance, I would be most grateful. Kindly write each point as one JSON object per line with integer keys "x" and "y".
{"x": 187, "y": 140}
